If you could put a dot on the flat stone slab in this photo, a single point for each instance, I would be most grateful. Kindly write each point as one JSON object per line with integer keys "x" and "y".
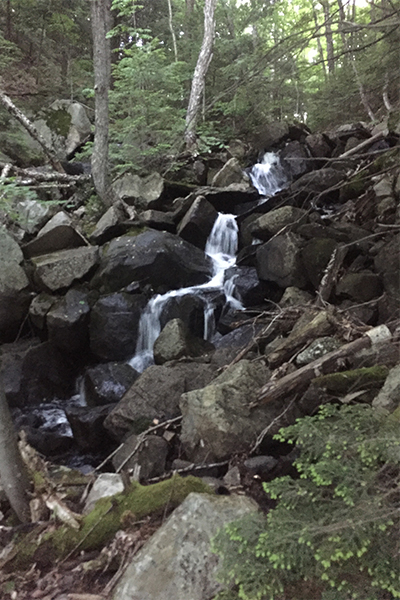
{"x": 59, "y": 270}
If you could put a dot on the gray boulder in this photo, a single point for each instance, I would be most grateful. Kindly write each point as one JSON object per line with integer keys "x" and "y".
{"x": 57, "y": 234}
{"x": 156, "y": 257}
{"x": 177, "y": 562}
{"x": 87, "y": 424}
{"x": 148, "y": 460}
{"x": 106, "y": 484}
{"x": 68, "y": 323}
{"x": 317, "y": 181}
{"x": 15, "y": 294}
{"x": 268, "y": 225}
{"x": 217, "y": 420}
{"x": 316, "y": 255}
{"x": 107, "y": 383}
{"x": 176, "y": 341}
{"x": 230, "y": 173}
{"x": 296, "y": 159}
{"x": 60, "y": 270}
{"x": 198, "y": 222}
{"x": 189, "y": 308}
{"x": 317, "y": 348}
{"x": 270, "y": 134}
{"x": 38, "y": 310}
{"x": 389, "y": 396}
{"x": 387, "y": 263}
{"x": 156, "y": 395}
{"x": 361, "y": 287}
{"x": 143, "y": 192}
{"x": 34, "y": 373}
{"x": 279, "y": 260}
{"x": 318, "y": 145}
{"x": 114, "y": 323}
{"x": 247, "y": 286}
{"x": 156, "y": 219}
{"x": 32, "y": 214}
{"x": 108, "y": 227}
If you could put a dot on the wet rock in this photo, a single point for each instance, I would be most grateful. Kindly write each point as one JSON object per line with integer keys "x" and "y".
{"x": 190, "y": 309}
{"x": 198, "y": 222}
{"x": 108, "y": 227}
{"x": 107, "y": 383}
{"x": 155, "y": 395}
{"x": 230, "y": 173}
{"x": 316, "y": 349}
{"x": 268, "y": 225}
{"x": 57, "y": 234}
{"x": 34, "y": 372}
{"x": 68, "y": 323}
{"x": 316, "y": 255}
{"x": 114, "y": 323}
{"x": 158, "y": 220}
{"x": 217, "y": 420}
{"x": 247, "y": 287}
{"x": 176, "y": 341}
{"x": 59, "y": 270}
{"x": 48, "y": 443}
{"x": 143, "y": 192}
{"x": 87, "y": 424}
{"x": 260, "y": 465}
{"x": 229, "y": 199}
{"x": 177, "y": 562}
{"x": 159, "y": 258}
{"x": 296, "y": 159}
{"x": 15, "y": 298}
{"x": 279, "y": 261}
{"x": 38, "y": 310}
{"x": 148, "y": 461}
{"x": 362, "y": 287}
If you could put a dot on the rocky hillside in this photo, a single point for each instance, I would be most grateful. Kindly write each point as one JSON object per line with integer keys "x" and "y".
{"x": 317, "y": 275}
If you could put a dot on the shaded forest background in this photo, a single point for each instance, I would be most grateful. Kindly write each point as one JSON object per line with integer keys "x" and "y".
{"x": 315, "y": 62}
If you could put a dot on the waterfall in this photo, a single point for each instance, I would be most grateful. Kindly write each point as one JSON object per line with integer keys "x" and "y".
{"x": 221, "y": 247}
{"x": 268, "y": 176}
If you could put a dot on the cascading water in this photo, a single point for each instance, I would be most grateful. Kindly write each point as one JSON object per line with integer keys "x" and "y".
{"x": 268, "y": 176}
{"x": 221, "y": 246}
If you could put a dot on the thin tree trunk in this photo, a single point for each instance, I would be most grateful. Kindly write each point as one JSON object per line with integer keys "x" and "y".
{"x": 101, "y": 24}
{"x": 8, "y": 20}
{"x": 320, "y": 49}
{"x": 13, "y": 474}
{"x": 329, "y": 37}
{"x": 363, "y": 96}
{"x": 171, "y": 28}
{"x": 25, "y": 122}
{"x": 198, "y": 82}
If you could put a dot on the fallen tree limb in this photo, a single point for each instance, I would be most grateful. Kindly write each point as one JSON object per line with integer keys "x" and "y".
{"x": 40, "y": 176}
{"x": 333, "y": 361}
{"x": 31, "y": 129}
{"x": 330, "y": 276}
{"x": 363, "y": 144}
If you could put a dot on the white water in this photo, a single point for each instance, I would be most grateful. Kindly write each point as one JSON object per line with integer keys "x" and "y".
{"x": 221, "y": 247}
{"x": 268, "y": 176}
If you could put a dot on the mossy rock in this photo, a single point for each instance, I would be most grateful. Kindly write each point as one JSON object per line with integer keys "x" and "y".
{"x": 350, "y": 381}
{"x": 59, "y": 121}
{"x": 101, "y": 524}
{"x": 355, "y": 187}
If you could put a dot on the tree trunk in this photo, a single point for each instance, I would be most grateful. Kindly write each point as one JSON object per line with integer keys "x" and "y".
{"x": 101, "y": 24}
{"x": 320, "y": 49}
{"x": 171, "y": 28}
{"x": 13, "y": 475}
{"x": 329, "y": 37}
{"x": 200, "y": 72}
{"x": 31, "y": 129}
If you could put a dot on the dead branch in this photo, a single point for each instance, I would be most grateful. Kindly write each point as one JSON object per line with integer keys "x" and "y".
{"x": 31, "y": 129}
{"x": 333, "y": 361}
{"x": 362, "y": 145}
{"x": 41, "y": 176}
{"x": 330, "y": 276}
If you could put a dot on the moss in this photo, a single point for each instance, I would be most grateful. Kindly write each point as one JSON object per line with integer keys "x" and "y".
{"x": 59, "y": 121}
{"x": 345, "y": 381}
{"x": 355, "y": 187}
{"x": 101, "y": 524}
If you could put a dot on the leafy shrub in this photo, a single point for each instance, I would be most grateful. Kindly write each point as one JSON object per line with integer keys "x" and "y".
{"x": 336, "y": 526}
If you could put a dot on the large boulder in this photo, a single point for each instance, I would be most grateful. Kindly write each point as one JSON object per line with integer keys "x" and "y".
{"x": 114, "y": 324}
{"x": 162, "y": 259}
{"x": 361, "y": 287}
{"x": 177, "y": 562}
{"x": 59, "y": 270}
{"x": 218, "y": 421}
{"x": 15, "y": 294}
{"x": 107, "y": 383}
{"x": 230, "y": 173}
{"x": 57, "y": 234}
{"x": 387, "y": 263}
{"x": 271, "y": 223}
{"x": 68, "y": 323}
{"x": 190, "y": 309}
{"x": 143, "y": 192}
{"x": 198, "y": 222}
{"x": 176, "y": 341}
{"x": 316, "y": 255}
{"x": 65, "y": 126}
{"x": 318, "y": 182}
{"x": 296, "y": 160}
{"x": 269, "y": 135}
{"x": 155, "y": 395}
{"x": 279, "y": 260}
{"x": 250, "y": 290}
{"x": 147, "y": 461}
{"x": 87, "y": 424}
{"x": 34, "y": 373}
{"x": 109, "y": 226}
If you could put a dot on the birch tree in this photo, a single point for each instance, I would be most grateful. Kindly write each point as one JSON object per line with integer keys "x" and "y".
{"x": 200, "y": 72}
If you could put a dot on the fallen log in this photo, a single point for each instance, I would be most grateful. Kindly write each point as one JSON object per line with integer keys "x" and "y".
{"x": 333, "y": 361}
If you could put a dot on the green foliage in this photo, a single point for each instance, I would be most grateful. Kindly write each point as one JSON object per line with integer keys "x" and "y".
{"x": 336, "y": 526}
